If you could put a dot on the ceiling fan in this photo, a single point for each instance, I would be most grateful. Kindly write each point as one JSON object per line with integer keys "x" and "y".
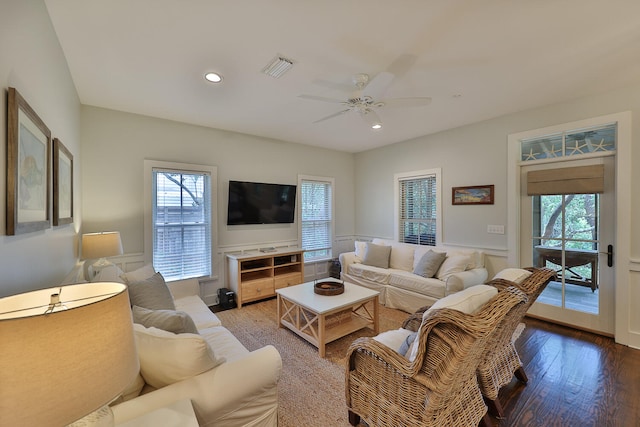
{"x": 365, "y": 99}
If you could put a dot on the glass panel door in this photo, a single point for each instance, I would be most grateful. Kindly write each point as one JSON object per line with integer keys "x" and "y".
{"x": 571, "y": 234}
{"x": 565, "y": 238}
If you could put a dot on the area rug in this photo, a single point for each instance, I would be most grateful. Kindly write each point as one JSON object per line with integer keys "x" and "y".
{"x": 311, "y": 389}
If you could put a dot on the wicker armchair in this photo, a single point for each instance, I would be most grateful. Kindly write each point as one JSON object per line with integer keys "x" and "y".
{"x": 439, "y": 388}
{"x": 501, "y": 360}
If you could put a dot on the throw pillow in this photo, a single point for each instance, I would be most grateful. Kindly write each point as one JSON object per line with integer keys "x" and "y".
{"x": 377, "y": 255}
{"x": 429, "y": 264}
{"x": 401, "y": 257}
{"x": 138, "y": 275}
{"x": 151, "y": 293}
{"x": 177, "y": 322}
{"x": 406, "y": 344}
{"x": 467, "y": 301}
{"x": 166, "y": 358}
{"x": 393, "y": 339}
{"x": 451, "y": 265}
{"x": 516, "y": 275}
{"x": 360, "y": 248}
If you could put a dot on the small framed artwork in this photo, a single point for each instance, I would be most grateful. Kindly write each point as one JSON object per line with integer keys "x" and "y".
{"x": 28, "y": 170}
{"x": 472, "y": 195}
{"x": 62, "y": 184}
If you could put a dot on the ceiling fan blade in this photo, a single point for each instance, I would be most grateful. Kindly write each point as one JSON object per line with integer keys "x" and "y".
{"x": 379, "y": 85}
{"x": 322, "y": 98}
{"x": 339, "y": 113}
{"x": 371, "y": 117}
{"x": 405, "y": 102}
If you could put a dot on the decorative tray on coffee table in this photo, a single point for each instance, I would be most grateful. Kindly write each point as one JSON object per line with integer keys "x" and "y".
{"x": 328, "y": 288}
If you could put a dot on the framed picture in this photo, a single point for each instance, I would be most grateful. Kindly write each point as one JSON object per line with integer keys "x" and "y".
{"x": 472, "y": 195}
{"x": 28, "y": 170}
{"x": 62, "y": 184}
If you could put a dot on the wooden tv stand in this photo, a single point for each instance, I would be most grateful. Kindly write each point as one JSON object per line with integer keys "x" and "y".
{"x": 256, "y": 275}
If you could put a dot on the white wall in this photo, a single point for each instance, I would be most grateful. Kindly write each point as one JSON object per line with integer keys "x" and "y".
{"x": 115, "y": 145}
{"x": 32, "y": 61}
{"x": 477, "y": 155}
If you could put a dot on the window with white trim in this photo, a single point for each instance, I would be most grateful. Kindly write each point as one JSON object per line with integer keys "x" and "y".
{"x": 316, "y": 217}
{"x": 418, "y": 207}
{"x": 182, "y": 203}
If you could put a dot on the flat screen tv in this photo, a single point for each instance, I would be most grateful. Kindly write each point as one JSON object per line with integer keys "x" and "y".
{"x": 260, "y": 203}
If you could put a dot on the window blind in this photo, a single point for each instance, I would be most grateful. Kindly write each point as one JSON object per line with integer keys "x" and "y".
{"x": 576, "y": 180}
{"x": 181, "y": 223}
{"x": 316, "y": 220}
{"x": 418, "y": 210}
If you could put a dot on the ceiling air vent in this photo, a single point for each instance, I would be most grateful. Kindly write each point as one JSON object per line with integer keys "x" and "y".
{"x": 277, "y": 66}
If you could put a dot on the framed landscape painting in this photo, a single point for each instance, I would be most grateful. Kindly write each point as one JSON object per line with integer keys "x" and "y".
{"x": 28, "y": 170}
{"x": 62, "y": 184}
{"x": 472, "y": 195}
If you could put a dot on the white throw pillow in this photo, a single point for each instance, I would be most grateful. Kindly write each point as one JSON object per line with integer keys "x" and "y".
{"x": 467, "y": 301}
{"x": 394, "y": 338}
{"x": 451, "y": 265}
{"x": 401, "y": 257}
{"x": 138, "y": 275}
{"x": 516, "y": 275}
{"x": 166, "y": 358}
{"x": 360, "y": 248}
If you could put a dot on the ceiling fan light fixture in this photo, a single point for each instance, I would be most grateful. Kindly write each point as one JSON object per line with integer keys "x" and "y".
{"x": 213, "y": 77}
{"x": 278, "y": 66}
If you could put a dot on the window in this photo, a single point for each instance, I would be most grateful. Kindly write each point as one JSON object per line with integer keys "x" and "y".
{"x": 418, "y": 207}
{"x": 182, "y": 212}
{"x": 569, "y": 143}
{"x": 316, "y": 213}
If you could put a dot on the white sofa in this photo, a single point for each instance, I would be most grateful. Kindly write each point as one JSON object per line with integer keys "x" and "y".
{"x": 241, "y": 391}
{"x": 399, "y": 287}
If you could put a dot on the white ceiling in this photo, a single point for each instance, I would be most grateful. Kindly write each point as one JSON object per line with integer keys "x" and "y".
{"x": 475, "y": 59}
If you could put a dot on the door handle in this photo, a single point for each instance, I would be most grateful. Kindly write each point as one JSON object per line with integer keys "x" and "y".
{"x": 609, "y": 255}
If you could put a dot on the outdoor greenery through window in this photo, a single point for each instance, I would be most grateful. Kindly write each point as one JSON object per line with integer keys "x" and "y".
{"x": 316, "y": 200}
{"x": 570, "y": 223}
{"x": 418, "y": 210}
{"x": 181, "y": 223}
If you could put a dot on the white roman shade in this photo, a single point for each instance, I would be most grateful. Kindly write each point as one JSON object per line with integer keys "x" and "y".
{"x": 576, "y": 180}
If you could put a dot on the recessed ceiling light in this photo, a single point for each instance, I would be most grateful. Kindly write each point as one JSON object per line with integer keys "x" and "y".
{"x": 376, "y": 126}
{"x": 213, "y": 77}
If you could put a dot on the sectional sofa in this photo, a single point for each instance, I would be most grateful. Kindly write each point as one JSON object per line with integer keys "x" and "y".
{"x": 187, "y": 354}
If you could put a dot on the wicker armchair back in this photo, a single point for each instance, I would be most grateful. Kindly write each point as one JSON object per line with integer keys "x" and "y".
{"x": 501, "y": 360}
{"x": 439, "y": 387}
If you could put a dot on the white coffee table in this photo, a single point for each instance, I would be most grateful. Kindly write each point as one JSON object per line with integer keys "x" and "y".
{"x": 321, "y": 319}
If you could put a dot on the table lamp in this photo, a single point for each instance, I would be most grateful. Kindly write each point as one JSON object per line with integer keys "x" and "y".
{"x": 100, "y": 246}
{"x": 66, "y": 352}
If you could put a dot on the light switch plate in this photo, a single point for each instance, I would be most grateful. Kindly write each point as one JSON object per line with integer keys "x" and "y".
{"x": 495, "y": 229}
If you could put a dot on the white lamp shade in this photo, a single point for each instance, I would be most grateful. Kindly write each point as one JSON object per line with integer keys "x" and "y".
{"x": 56, "y": 368}
{"x": 101, "y": 245}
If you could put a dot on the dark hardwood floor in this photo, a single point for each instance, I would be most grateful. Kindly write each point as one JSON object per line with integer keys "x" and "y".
{"x": 575, "y": 379}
